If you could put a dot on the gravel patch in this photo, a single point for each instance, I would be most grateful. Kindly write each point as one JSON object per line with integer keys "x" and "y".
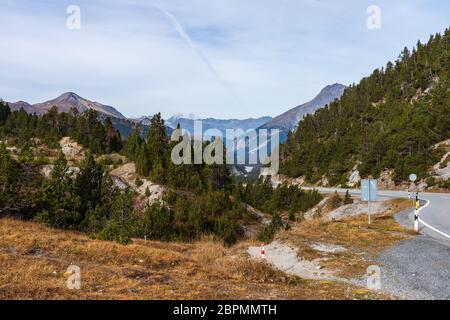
{"x": 417, "y": 269}
{"x": 357, "y": 208}
{"x": 285, "y": 258}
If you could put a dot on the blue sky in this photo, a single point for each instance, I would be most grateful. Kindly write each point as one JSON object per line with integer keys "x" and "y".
{"x": 219, "y": 58}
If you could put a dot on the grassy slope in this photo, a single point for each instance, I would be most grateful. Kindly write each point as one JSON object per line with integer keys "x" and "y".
{"x": 363, "y": 242}
{"x": 34, "y": 260}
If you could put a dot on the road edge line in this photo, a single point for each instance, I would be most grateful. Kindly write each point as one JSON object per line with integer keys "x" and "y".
{"x": 429, "y": 226}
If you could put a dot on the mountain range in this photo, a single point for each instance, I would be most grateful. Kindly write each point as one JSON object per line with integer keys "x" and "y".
{"x": 220, "y": 124}
{"x": 69, "y": 101}
{"x": 65, "y": 103}
{"x": 289, "y": 120}
{"x": 286, "y": 122}
{"x": 388, "y": 124}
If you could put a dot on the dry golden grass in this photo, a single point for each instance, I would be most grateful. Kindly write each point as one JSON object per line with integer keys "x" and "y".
{"x": 363, "y": 242}
{"x": 34, "y": 259}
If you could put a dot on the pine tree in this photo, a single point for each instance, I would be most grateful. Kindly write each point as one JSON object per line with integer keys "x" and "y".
{"x": 157, "y": 142}
{"x": 133, "y": 144}
{"x": 5, "y": 111}
{"x": 143, "y": 161}
{"x": 88, "y": 183}
{"x": 147, "y": 192}
{"x": 26, "y": 154}
{"x": 118, "y": 227}
{"x": 113, "y": 140}
{"x": 227, "y": 230}
{"x": 57, "y": 206}
{"x": 10, "y": 176}
{"x": 60, "y": 169}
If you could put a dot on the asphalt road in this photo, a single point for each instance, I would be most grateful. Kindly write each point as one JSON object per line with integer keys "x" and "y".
{"x": 417, "y": 269}
{"x": 436, "y": 214}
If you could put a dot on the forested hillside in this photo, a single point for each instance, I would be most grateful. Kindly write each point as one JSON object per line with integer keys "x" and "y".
{"x": 204, "y": 198}
{"x": 390, "y": 120}
{"x": 201, "y": 199}
{"x": 19, "y": 127}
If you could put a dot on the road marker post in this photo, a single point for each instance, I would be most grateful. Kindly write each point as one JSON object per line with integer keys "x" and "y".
{"x": 413, "y": 179}
{"x": 416, "y": 213}
{"x": 263, "y": 251}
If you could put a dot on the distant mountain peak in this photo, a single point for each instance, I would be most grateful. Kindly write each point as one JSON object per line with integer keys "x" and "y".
{"x": 336, "y": 84}
{"x": 143, "y": 120}
{"x": 68, "y": 95}
{"x": 289, "y": 120}
{"x": 65, "y": 102}
{"x": 332, "y": 87}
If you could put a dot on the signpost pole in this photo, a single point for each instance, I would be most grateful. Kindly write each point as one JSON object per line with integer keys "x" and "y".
{"x": 369, "y": 189}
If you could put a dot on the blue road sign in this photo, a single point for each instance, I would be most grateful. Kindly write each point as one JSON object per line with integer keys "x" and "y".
{"x": 369, "y": 190}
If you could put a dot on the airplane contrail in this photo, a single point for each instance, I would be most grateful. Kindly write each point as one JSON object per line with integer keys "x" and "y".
{"x": 184, "y": 36}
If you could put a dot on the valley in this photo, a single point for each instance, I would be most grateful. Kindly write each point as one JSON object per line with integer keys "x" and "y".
{"x": 82, "y": 185}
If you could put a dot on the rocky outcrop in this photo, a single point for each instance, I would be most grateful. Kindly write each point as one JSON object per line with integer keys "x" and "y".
{"x": 71, "y": 149}
{"x": 354, "y": 177}
{"x": 385, "y": 180}
{"x": 441, "y": 170}
{"x": 127, "y": 175}
{"x": 46, "y": 170}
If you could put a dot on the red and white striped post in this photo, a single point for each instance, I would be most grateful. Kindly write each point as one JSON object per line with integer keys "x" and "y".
{"x": 263, "y": 251}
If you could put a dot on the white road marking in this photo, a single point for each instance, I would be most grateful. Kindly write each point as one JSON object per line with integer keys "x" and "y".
{"x": 387, "y": 194}
{"x": 427, "y": 225}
